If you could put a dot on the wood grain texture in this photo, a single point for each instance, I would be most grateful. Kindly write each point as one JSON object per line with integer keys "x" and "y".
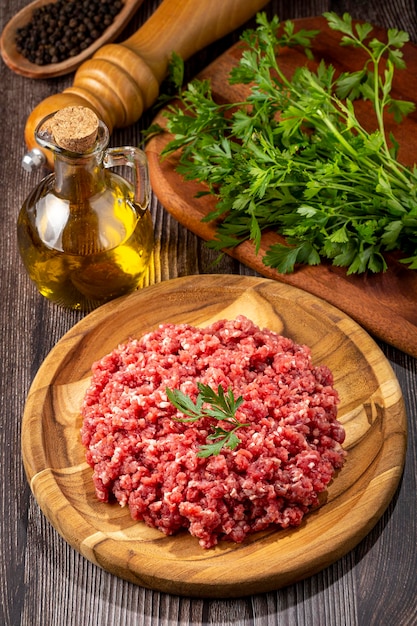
{"x": 371, "y": 409}
{"x": 385, "y": 303}
{"x": 19, "y": 64}
{"x": 43, "y": 580}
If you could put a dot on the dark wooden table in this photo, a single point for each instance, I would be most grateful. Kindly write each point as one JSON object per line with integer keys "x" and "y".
{"x": 43, "y": 580}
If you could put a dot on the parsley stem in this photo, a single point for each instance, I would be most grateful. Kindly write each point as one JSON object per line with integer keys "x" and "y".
{"x": 336, "y": 133}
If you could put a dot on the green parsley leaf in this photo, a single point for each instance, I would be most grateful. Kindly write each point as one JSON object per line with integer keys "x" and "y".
{"x": 222, "y": 407}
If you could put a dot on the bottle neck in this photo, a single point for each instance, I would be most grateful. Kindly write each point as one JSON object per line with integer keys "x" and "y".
{"x": 78, "y": 178}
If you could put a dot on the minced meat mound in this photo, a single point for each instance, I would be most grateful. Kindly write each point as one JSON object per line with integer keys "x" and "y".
{"x": 146, "y": 460}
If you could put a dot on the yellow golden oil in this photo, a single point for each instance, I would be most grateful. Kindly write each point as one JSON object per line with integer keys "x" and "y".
{"x": 82, "y": 250}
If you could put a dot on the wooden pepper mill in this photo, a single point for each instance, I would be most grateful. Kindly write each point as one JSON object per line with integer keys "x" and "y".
{"x": 122, "y": 80}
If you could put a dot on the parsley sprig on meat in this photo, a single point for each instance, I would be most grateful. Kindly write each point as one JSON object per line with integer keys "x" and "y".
{"x": 293, "y": 157}
{"x": 222, "y": 407}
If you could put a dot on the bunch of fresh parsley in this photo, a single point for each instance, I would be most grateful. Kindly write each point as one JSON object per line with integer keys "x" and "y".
{"x": 294, "y": 158}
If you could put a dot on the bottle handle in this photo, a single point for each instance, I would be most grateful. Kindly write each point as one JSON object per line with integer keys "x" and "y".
{"x": 135, "y": 159}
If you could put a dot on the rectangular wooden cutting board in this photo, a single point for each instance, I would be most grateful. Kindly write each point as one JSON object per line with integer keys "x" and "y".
{"x": 386, "y": 303}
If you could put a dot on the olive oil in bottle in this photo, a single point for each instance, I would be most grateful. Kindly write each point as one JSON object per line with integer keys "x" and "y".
{"x": 85, "y": 233}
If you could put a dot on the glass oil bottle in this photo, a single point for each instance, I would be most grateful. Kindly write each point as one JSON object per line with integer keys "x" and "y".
{"x": 85, "y": 233}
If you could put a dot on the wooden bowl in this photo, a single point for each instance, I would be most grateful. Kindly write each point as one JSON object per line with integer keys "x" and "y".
{"x": 19, "y": 64}
{"x": 371, "y": 410}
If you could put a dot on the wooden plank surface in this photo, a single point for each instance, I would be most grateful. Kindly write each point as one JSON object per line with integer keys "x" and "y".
{"x": 44, "y": 581}
{"x": 385, "y": 303}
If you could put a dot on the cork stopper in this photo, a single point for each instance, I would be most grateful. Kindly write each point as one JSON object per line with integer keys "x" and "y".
{"x": 74, "y": 128}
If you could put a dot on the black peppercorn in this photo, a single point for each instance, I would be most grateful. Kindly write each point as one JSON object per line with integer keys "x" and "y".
{"x": 64, "y": 28}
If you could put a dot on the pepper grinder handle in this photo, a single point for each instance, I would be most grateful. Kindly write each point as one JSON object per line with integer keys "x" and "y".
{"x": 122, "y": 80}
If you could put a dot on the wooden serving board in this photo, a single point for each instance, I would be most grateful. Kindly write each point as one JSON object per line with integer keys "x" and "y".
{"x": 371, "y": 410}
{"x": 385, "y": 304}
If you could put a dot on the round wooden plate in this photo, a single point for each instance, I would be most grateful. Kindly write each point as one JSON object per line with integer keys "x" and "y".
{"x": 371, "y": 409}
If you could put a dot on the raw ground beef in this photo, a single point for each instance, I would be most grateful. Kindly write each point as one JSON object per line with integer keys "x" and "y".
{"x": 148, "y": 461}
